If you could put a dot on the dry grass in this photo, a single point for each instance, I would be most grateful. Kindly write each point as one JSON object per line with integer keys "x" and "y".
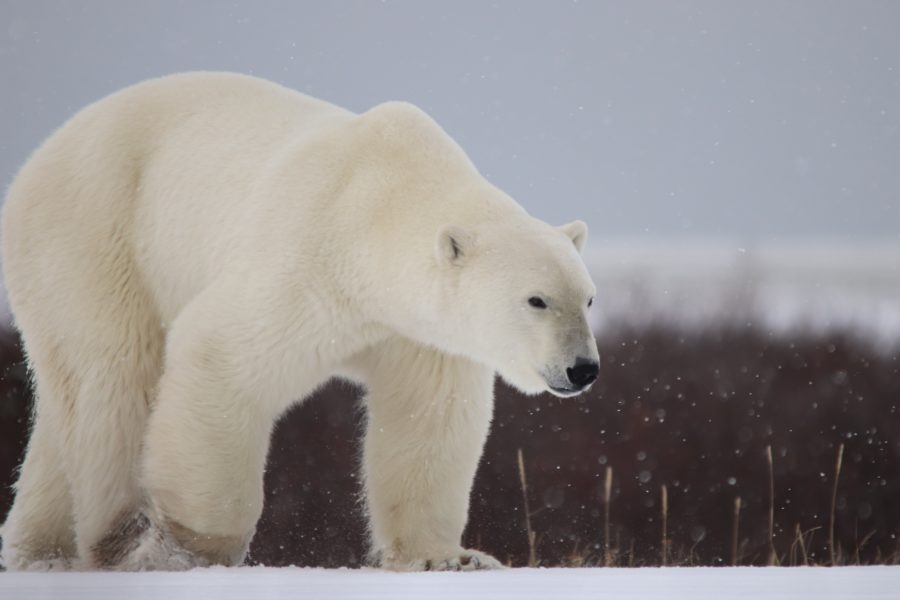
{"x": 683, "y": 555}
{"x": 773, "y": 554}
{"x": 837, "y": 474}
{"x": 532, "y": 553}
{"x": 735, "y": 532}
{"x": 664, "y": 541}
{"x": 607, "y": 501}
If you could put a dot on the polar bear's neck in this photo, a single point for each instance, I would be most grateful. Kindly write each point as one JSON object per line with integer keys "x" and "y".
{"x": 379, "y": 187}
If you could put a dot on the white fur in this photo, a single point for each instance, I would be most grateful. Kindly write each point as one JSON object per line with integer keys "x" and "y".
{"x": 188, "y": 257}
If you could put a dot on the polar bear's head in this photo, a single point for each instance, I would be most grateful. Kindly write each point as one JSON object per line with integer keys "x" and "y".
{"x": 517, "y": 295}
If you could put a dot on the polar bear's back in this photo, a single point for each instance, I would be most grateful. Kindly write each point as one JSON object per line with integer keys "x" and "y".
{"x": 160, "y": 172}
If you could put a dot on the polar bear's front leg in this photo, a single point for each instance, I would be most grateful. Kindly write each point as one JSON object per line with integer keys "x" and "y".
{"x": 428, "y": 418}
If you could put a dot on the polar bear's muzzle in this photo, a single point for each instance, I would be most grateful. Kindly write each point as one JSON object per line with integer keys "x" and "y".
{"x": 576, "y": 379}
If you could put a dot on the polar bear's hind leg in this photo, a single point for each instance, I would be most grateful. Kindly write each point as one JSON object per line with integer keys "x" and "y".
{"x": 115, "y": 395}
{"x": 94, "y": 398}
{"x": 39, "y": 530}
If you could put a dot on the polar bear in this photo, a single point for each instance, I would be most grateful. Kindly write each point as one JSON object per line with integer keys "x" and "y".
{"x": 191, "y": 256}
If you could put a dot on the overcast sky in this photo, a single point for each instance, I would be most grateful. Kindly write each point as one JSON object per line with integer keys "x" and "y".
{"x": 738, "y": 120}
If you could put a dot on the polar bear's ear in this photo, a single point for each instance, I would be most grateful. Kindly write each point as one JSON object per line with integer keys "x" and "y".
{"x": 453, "y": 245}
{"x": 577, "y": 231}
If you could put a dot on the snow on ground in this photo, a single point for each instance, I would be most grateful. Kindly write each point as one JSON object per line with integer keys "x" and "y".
{"x": 774, "y": 583}
{"x": 815, "y": 287}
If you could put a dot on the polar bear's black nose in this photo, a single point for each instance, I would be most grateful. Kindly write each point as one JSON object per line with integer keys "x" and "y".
{"x": 583, "y": 373}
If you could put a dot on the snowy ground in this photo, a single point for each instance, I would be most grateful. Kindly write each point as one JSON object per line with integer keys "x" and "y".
{"x": 813, "y": 287}
{"x": 845, "y": 583}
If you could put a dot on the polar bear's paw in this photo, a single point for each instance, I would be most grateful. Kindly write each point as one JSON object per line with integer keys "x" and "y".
{"x": 39, "y": 565}
{"x": 137, "y": 543}
{"x": 49, "y": 564}
{"x": 461, "y": 560}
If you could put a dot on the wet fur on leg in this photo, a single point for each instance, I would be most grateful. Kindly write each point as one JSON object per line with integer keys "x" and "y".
{"x": 138, "y": 543}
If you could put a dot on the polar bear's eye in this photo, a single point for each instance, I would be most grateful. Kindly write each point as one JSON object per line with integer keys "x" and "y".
{"x": 537, "y": 302}
{"x": 590, "y": 302}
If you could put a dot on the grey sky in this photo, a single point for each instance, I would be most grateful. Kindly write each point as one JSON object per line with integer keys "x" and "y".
{"x": 753, "y": 119}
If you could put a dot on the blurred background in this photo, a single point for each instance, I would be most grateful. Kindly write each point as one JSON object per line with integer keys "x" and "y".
{"x": 738, "y": 164}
